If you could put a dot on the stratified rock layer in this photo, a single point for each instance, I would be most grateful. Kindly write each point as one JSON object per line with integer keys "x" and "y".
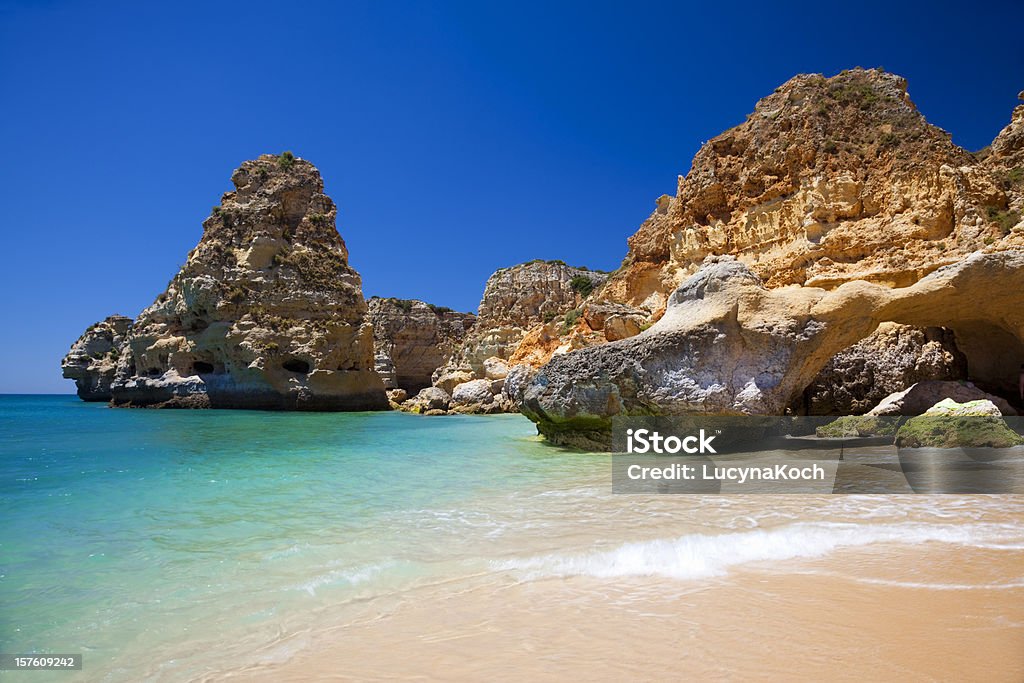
{"x": 92, "y": 360}
{"x": 829, "y": 180}
{"x": 412, "y": 339}
{"x": 266, "y": 312}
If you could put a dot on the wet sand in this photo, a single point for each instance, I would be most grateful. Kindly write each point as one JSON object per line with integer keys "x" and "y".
{"x": 882, "y": 612}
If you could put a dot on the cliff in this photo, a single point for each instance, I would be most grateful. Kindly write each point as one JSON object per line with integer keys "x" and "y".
{"x": 730, "y": 345}
{"x": 829, "y": 180}
{"x": 517, "y": 302}
{"x": 835, "y": 200}
{"x": 266, "y": 312}
{"x": 412, "y": 339}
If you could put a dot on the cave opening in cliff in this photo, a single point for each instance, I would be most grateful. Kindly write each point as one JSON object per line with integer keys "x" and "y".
{"x": 296, "y": 365}
{"x": 897, "y": 356}
{"x": 202, "y": 367}
{"x": 994, "y": 358}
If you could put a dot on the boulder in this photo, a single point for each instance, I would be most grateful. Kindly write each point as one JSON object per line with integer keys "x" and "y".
{"x": 451, "y": 378}
{"x": 495, "y": 368}
{"x": 474, "y": 392}
{"x": 432, "y": 400}
{"x": 948, "y": 424}
{"x": 622, "y": 326}
{"x": 920, "y": 397}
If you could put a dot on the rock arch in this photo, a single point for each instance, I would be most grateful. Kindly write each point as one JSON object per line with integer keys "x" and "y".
{"x": 729, "y": 345}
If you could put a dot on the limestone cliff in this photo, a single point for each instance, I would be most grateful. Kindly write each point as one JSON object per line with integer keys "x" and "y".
{"x": 831, "y": 185}
{"x": 829, "y": 180}
{"x": 518, "y": 303}
{"x": 412, "y": 339}
{"x": 266, "y": 312}
{"x": 728, "y": 344}
{"x": 93, "y": 359}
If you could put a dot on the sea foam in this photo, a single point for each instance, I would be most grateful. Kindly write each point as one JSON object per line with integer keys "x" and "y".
{"x": 695, "y": 556}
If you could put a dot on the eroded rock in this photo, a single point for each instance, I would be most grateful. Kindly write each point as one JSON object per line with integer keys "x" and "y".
{"x": 919, "y": 398}
{"x": 727, "y": 344}
{"x": 266, "y": 312}
{"x": 413, "y": 338}
{"x": 92, "y": 360}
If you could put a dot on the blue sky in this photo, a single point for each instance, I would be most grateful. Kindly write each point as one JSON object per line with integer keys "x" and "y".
{"x": 456, "y": 138}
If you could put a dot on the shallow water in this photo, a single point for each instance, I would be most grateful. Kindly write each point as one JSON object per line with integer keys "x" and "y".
{"x": 182, "y": 545}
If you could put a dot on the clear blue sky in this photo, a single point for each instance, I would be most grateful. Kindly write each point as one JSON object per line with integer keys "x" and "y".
{"x": 456, "y": 138}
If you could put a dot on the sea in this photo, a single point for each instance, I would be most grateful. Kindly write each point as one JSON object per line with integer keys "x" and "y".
{"x": 204, "y": 545}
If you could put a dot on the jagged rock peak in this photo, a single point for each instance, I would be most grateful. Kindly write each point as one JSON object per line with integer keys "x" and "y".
{"x": 265, "y": 313}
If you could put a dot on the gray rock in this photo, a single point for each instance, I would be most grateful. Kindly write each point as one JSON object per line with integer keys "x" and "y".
{"x": 921, "y": 397}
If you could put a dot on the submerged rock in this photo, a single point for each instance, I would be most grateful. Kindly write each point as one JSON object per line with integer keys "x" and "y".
{"x": 266, "y": 312}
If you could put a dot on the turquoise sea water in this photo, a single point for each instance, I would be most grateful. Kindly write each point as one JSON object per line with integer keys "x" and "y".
{"x": 131, "y": 529}
{"x": 188, "y": 545}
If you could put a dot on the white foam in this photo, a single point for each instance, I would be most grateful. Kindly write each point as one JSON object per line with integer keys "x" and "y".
{"x": 350, "y": 576}
{"x": 701, "y": 555}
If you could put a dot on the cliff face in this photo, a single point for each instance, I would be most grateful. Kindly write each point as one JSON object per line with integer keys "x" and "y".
{"x": 729, "y": 345}
{"x": 517, "y": 303}
{"x": 833, "y": 210}
{"x": 265, "y": 313}
{"x": 516, "y": 300}
{"x": 412, "y": 339}
{"x": 829, "y": 180}
{"x": 93, "y": 359}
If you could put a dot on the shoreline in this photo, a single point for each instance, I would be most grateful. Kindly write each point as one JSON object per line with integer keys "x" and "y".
{"x": 753, "y": 624}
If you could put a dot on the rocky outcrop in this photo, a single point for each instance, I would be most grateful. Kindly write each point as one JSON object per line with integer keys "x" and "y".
{"x": 266, "y": 312}
{"x": 518, "y": 304}
{"x": 516, "y": 300}
{"x": 1005, "y": 160}
{"x": 412, "y": 339}
{"x": 833, "y": 209}
{"x": 920, "y": 397}
{"x": 829, "y": 180}
{"x": 889, "y": 360}
{"x": 948, "y": 424}
{"x": 728, "y": 344}
{"x": 93, "y": 359}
